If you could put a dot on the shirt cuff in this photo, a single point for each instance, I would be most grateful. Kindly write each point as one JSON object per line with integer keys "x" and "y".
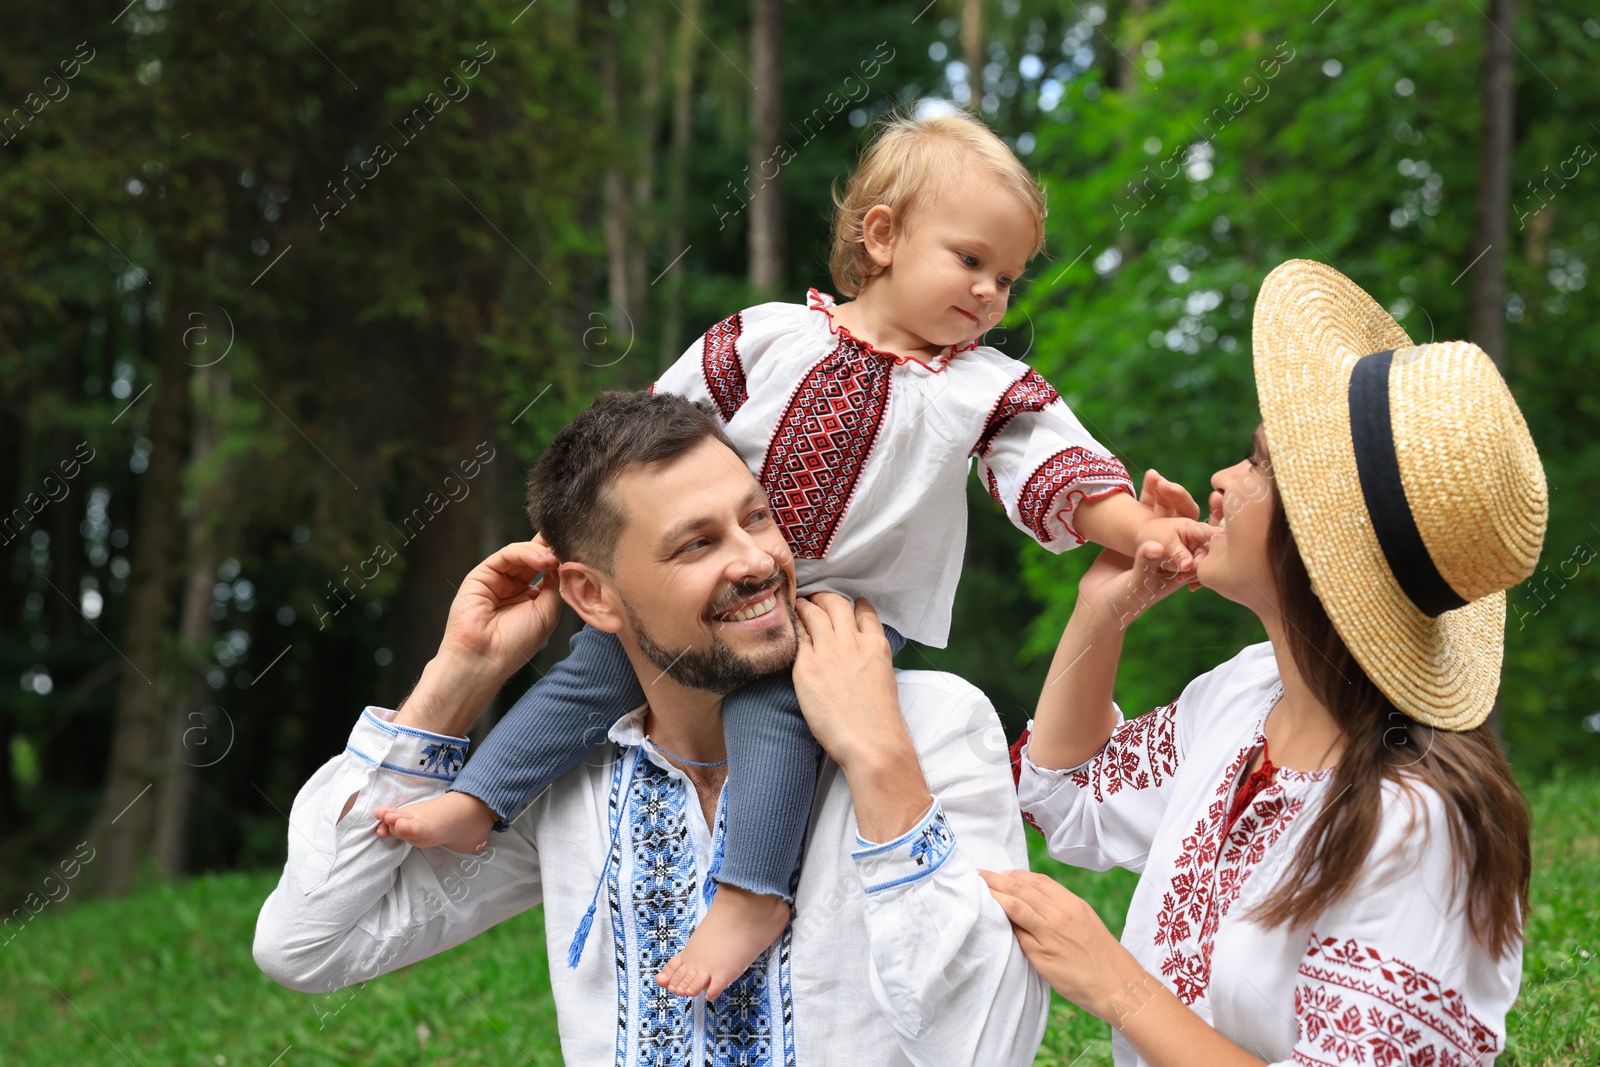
{"x": 405, "y": 749}
{"x": 913, "y": 855}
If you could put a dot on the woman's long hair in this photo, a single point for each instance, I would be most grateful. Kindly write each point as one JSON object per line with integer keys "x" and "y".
{"x": 1486, "y": 812}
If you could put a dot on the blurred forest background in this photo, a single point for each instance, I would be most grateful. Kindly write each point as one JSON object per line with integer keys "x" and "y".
{"x": 292, "y": 293}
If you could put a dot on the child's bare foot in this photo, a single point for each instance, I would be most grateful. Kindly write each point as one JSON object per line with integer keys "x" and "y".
{"x": 458, "y": 821}
{"x": 738, "y": 928}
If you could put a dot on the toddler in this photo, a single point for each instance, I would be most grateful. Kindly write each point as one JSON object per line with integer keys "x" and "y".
{"x": 861, "y": 421}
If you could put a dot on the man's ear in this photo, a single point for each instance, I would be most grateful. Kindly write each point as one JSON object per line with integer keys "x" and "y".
{"x": 589, "y": 593}
{"x": 879, "y": 229}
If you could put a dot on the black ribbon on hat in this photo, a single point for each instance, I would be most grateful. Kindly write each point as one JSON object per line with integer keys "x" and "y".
{"x": 1372, "y": 433}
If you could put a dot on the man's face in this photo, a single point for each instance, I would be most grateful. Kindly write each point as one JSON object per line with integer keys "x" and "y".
{"x": 703, "y": 571}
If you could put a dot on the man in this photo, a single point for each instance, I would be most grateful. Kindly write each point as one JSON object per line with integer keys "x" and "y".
{"x": 897, "y": 953}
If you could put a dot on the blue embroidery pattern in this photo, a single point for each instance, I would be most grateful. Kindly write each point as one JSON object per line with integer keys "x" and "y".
{"x": 932, "y": 843}
{"x": 443, "y": 757}
{"x": 737, "y": 1029}
{"x": 663, "y": 884}
{"x": 614, "y": 900}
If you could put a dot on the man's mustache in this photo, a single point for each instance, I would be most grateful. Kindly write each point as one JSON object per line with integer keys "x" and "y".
{"x": 744, "y": 591}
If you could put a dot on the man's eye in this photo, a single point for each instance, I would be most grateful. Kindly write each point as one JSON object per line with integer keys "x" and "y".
{"x": 693, "y": 546}
{"x": 760, "y": 518}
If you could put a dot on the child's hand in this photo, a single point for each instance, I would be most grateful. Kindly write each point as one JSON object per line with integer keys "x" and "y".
{"x": 1175, "y": 527}
{"x": 1183, "y": 541}
{"x": 1167, "y": 499}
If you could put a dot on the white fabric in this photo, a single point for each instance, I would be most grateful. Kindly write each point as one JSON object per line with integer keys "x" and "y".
{"x": 898, "y": 954}
{"x": 903, "y": 530}
{"x": 1390, "y": 975}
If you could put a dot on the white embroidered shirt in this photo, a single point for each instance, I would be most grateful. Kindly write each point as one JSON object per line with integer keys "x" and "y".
{"x": 864, "y": 454}
{"x": 897, "y": 953}
{"x": 1390, "y": 975}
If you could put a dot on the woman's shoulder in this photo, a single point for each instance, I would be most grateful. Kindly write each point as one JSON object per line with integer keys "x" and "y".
{"x": 1414, "y": 836}
{"x": 1249, "y": 676}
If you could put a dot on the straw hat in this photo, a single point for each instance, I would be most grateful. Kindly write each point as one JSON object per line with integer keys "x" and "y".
{"x": 1410, "y": 482}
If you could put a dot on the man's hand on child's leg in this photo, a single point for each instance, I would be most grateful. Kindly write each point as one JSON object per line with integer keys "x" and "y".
{"x": 738, "y": 927}
{"x": 458, "y": 821}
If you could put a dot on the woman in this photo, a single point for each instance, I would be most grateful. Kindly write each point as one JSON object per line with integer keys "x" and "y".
{"x": 1333, "y": 854}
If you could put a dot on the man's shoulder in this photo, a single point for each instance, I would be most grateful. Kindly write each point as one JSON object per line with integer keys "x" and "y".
{"x": 947, "y": 716}
{"x": 935, "y": 687}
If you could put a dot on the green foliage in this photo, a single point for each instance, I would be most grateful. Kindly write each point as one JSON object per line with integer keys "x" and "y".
{"x": 1267, "y": 134}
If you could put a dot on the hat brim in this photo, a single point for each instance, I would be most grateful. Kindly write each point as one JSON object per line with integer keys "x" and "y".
{"x": 1311, "y": 325}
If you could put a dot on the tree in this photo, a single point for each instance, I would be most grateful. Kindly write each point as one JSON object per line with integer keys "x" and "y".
{"x": 766, "y": 132}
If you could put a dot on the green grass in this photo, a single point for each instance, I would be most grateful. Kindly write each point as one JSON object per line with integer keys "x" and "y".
{"x": 165, "y": 977}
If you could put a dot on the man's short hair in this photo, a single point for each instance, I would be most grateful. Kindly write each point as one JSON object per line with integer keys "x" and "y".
{"x": 569, "y": 488}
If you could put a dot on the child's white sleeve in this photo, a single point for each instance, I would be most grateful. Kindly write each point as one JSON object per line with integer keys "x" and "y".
{"x": 713, "y": 368}
{"x": 1039, "y": 463}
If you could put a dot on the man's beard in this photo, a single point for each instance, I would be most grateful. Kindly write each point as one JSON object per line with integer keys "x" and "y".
{"x": 720, "y": 669}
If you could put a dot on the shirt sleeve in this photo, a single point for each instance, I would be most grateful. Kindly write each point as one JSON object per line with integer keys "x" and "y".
{"x": 1392, "y": 973}
{"x": 711, "y": 370}
{"x": 1105, "y": 812}
{"x": 945, "y": 965}
{"x": 1039, "y": 463}
{"x": 351, "y": 905}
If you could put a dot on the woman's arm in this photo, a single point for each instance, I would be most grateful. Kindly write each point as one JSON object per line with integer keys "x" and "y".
{"x": 1075, "y": 715}
{"x": 1072, "y": 950}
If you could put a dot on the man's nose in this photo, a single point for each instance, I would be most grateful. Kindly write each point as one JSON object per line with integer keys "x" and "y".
{"x": 750, "y": 559}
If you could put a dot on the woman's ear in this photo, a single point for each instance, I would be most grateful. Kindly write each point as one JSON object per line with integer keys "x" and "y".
{"x": 588, "y": 592}
{"x": 879, "y": 229}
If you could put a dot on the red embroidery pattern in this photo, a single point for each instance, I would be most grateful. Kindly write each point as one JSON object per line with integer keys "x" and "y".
{"x": 720, "y": 364}
{"x": 1058, "y": 474}
{"x": 994, "y": 487}
{"x": 822, "y": 444}
{"x": 1257, "y": 830}
{"x": 1140, "y": 754}
{"x": 1186, "y": 924}
{"x": 1028, "y": 393}
{"x": 1352, "y": 1004}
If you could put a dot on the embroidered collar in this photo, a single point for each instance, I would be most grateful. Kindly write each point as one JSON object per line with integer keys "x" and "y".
{"x": 823, "y": 302}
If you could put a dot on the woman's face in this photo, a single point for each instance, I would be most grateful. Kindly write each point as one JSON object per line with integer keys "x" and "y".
{"x": 1236, "y": 564}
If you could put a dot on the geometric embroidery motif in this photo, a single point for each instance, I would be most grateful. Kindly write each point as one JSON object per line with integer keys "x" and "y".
{"x": 1187, "y": 921}
{"x": 443, "y": 757}
{"x": 1355, "y": 1005}
{"x": 1140, "y": 755}
{"x": 822, "y": 443}
{"x": 741, "y": 1026}
{"x": 719, "y": 363}
{"x": 1028, "y": 393}
{"x": 1060, "y": 472}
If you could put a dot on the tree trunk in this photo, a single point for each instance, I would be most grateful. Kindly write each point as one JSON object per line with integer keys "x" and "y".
{"x": 972, "y": 51}
{"x": 12, "y": 435}
{"x": 683, "y": 56}
{"x": 766, "y": 131}
{"x": 629, "y": 182}
{"x": 620, "y": 250}
{"x": 1491, "y": 221}
{"x": 439, "y": 556}
{"x": 190, "y": 742}
{"x": 123, "y": 825}
{"x": 1133, "y": 43}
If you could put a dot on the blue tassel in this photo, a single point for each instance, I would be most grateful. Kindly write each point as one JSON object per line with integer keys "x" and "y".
{"x": 581, "y": 936}
{"x": 575, "y": 953}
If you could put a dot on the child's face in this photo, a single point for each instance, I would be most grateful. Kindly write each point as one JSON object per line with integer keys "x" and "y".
{"x": 954, "y": 261}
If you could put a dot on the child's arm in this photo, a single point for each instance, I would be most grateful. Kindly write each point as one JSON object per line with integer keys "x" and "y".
{"x": 1165, "y": 513}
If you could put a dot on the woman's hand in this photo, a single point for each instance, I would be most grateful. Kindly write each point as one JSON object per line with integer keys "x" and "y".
{"x": 1070, "y": 947}
{"x": 1072, "y": 950}
{"x": 1120, "y": 588}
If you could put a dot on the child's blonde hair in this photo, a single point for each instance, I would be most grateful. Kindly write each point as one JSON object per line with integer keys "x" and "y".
{"x": 906, "y": 159}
